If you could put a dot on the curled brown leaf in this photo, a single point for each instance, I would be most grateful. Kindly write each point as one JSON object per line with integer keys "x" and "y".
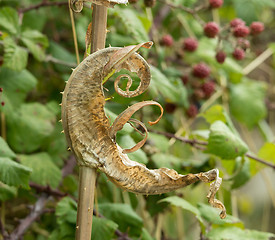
{"x": 125, "y": 116}
{"x": 140, "y": 143}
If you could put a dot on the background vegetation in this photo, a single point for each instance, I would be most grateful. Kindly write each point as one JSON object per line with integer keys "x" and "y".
{"x": 221, "y": 116}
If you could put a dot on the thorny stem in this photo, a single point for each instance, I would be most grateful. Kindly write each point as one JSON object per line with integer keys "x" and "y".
{"x": 195, "y": 144}
{"x": 99, "y": 23}
{"x": 87, "y": 176}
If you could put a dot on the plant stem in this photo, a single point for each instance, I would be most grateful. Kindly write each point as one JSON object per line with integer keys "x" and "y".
{"x": 87, "y": 177}
{"x": 74, "y": 34}
{"x": 99, "y": 22}
{"x": 258, "y": 61}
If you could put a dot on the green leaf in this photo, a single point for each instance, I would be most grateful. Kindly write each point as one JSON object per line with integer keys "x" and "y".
{"x": 234, "y": 233}
{"x": 9, "y": 20}
{"x": 124, "y": 216}
{"x": 167, "y": 160}
{"x": 7, "y": 192}
{"x": 5, "y": 150}
{"x": 125, "y": 141}
{"x": 44, "y": 171}
{"x": 160, "y": 141}
{"x": 214, "y": 113}
{"x": 59, "y": 52}
{"x": 103, "y": 228}
{"x": 267, "y": 152}
{"x": 133, "y": 24}
{"x": 13, "y": 173}
{"x": 66, "y": 211}
{"x": 56, "y": 145}
{"x": 36, "y": 42}
{"x": 180, "y": 202}
{"x": 29, "y": 127}
{"x": 224, "y": 143}
{"x": 160, "y": 84}
{"x": 242, "y": 167}
{"x": 16, "y": 84}
{"x": 247, "y": 102}
{"x": 212, "y": 216}
{"x": 15, "y": 57}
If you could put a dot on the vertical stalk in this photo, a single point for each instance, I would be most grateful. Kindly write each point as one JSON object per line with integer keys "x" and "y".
{"x": 87, "y": 176}
{"x": 99, "y": 23}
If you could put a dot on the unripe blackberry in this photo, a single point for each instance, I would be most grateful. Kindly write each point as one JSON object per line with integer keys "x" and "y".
{"x": 195, "y": 83}
{"x": 243, "y": 43}
{"x": 256, "y": 28}
{"x": 199, "y": 94}
{"x": 201, "y": 70}
{"x": 237, "y": 22}
{"x": 170, "y": 107}
{"x": 1, "y": 89}
{"x": 208, "y": 88}
{"x": 190, "y": 44}
{"x": 215, "y": 3}
{"x": 132, "y": 1}
{"x": 2, "y": 104}
{"x": 211, "y": 29}
{"x": 150, "y": 3}
{"x": 238, "y": 54}
{"x": 192, "y": 111}
{"x": 167, "y": 40}
{"x": 220, "y": 56}
{"x": 241, "y": 31}
{"x": 184, "y": 79}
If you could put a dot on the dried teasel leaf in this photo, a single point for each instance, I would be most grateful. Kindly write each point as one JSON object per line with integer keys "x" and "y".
{"x": 125, "y": 116}
{"x": 123, "y": 54}
{"x": 140, "y": 143}
{"x": 77, "y": 5}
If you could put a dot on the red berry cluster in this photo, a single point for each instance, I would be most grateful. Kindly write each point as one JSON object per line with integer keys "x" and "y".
{"x": 200, "y": 86}
{"x": 215, "y": 3}
{"x": 240, "y": 32}
{"x": 211, "y": 29}
{"x": 167, "y": 40}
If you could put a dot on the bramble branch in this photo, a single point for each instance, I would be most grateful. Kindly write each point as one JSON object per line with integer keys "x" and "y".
{"x": 42, "y": 4}
{"x": 34, "y": 214}
{"x": 47, "y": 189}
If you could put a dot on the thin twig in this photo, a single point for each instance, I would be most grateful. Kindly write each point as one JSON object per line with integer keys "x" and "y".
{"x": 26, "y": 222}
{"x": 259, "y": 60}
{"x": 47, "y": 189}
{"x": 3, "y": 233}
{"x": 195, "y": 143}
{"x": 42, "y": 4}
{"x": 182, "y": 139}
{"x": 74, "y": 34}
{"x": 260, "y": 160}
{"x": 172, "y": 5}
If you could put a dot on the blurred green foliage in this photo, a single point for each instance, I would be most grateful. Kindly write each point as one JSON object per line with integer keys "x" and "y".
{"x": 36, "y": 57}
